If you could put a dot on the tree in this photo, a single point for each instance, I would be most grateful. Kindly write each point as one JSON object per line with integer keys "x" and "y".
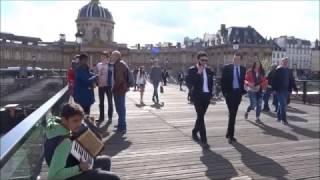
{"x": 266, "y": 64}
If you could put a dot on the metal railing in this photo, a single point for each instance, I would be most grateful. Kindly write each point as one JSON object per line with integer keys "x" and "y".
{"x": 309, "y": 89}
{"x": 21, "y": 149}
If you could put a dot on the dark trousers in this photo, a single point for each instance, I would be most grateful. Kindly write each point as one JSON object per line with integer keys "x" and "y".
{"x": 102, "y": 91}
{"x": 100, "y": 171}
{"x": 266, "y": 97}
{"x": 201, "y": 103}
{"x": 86, "y": 109}
{"x": 233, "y": 101}
{"x": 155, "y": 96}
{"x": 180, "y": 83}
{"x": 164, "y": 81}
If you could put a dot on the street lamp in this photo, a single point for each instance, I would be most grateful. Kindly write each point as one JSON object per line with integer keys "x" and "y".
{"x": 34, "y": 66}
{"x": 235, "y": 45}
{"x": 62, "y": 39}
{"x": 79, "y": 36}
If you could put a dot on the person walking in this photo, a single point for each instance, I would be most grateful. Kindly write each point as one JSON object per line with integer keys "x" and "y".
{"x": 282, "y": 84}
{"x": 232, "y": 87}
{"x": 268, "y": 93}
{"x": 180, "y": 79}
{"x": 84, "y": 84}
{"x": 135, "y": 72}
{"x": 256, "y": 84}
{"x": 120, "y": 88}
{"x": 71, "y": 75}
{"x": 105, "y": 81}
{"x": 155, "y": 78}
{"x": 200, "y": 81}
{"x": 141, "y": 82}
{"x": 165, "y": 76}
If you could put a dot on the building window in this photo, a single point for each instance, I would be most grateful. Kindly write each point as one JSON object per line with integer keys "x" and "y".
{"x": 278, "y": 55}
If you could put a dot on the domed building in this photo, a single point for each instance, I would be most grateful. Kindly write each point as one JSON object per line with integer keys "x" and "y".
{"x": 96, "y": 23}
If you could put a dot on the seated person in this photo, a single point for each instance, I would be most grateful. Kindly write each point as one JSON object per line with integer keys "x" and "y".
{"x": 62, "y": 165}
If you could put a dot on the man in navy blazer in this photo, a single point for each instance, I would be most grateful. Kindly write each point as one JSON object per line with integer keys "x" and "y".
{"x": 232, "y": 86}
{"x": 200, "y": 81}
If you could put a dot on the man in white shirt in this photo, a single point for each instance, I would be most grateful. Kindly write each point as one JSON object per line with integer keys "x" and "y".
{"x": 105, "y": 78}
{"x": 200, "y": 81}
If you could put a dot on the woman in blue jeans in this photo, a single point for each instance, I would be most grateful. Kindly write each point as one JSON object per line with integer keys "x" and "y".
{"x": 256, "y": 83}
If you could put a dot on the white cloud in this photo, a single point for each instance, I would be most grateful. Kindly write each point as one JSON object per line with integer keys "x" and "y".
{"x": 155, "y": 21}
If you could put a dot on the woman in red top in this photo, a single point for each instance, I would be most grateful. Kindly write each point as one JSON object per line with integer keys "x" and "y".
{"x": 256, "y": 83}
{"x": 71, "y": 77}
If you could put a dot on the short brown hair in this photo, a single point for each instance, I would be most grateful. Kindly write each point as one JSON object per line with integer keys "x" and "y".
{"x": 106, "y": 53}
{"x": 71, "y": 109}
{"x": 238, "y": 54}
{"x": 201, "y": 54}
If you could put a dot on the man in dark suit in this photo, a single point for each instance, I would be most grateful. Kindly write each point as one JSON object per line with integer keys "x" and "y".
{"x": 232, "y": 86}
{"x": 200, "y": 81}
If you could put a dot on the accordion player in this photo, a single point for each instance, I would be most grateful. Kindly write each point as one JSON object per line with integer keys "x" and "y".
{"x": 86, "y": 145}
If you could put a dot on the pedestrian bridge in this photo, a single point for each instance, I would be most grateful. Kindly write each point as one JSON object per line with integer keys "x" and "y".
{"x": 158, "y": 143}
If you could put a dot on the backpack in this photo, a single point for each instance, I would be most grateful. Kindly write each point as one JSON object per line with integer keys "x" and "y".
{"x": 130, "y": 77}
{"x": 50, "y": 146}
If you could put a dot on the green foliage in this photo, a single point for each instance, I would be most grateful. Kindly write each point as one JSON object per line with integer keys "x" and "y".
{"x": 266, "y": 64}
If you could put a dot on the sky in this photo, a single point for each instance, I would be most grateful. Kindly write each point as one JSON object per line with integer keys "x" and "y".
{"x": 147, "y": 22}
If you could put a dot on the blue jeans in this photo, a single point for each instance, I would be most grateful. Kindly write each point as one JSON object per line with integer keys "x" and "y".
{"x": 275, "y": 102}
{"x": 266, "y": 97}
{"x": 155, "y": 96}
{"x": 282, "y": 105}
{"x": 120, "y": 103}
{"x": 255, "y": 102}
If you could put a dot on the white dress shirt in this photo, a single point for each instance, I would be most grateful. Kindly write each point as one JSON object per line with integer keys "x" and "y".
{"x": 205, "y": 81}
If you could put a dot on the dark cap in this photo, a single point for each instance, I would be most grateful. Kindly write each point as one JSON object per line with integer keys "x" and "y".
{"x": 83, "y": 56}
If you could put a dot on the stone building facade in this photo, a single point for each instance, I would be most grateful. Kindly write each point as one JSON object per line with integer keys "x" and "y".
{"x": 97, "y": 25}
{"x": 297, "y": 50}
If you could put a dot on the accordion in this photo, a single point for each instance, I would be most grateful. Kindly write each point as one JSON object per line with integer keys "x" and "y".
{"x": 86, "y": 146}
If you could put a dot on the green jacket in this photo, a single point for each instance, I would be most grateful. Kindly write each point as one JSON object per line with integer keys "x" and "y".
{"x": 57, "y": 170}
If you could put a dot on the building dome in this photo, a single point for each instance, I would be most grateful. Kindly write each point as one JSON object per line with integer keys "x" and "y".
{"x": 94, "y": 10}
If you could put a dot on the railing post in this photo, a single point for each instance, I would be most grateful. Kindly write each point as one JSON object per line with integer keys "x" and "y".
{"x": 304, "y": 96}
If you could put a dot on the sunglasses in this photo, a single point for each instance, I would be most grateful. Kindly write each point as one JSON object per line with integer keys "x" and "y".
{"x": 204, "y": 60}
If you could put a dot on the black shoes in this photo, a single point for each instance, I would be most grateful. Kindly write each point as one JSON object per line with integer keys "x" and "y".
{"x": 205, "y": 145}
{"x": 231, "y": 139}
{"x": 246, "y": 115}
{"x": 195, "y": 136}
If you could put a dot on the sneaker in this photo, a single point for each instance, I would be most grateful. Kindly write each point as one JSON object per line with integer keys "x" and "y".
{"x": 123, "y": 131}
{"x": 285, "y": 122}
{"x": 246, "y": 115}
{"x": 278, "y": 120}
{"x": 258, "y": 121}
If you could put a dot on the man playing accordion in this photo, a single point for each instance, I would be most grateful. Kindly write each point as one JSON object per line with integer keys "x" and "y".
{"x": 65, "y": 154}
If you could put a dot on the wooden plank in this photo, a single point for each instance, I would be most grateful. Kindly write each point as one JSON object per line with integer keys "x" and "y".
{"x": 158, "y": 143}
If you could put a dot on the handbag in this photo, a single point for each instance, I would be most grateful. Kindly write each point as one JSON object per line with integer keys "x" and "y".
{"x": 161, "y": 89}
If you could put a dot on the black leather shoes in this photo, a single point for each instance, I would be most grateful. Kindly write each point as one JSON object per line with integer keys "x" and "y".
{"x": 195, "y": 137}
{"x": 205, "y": 145}
{"x": 231, "y": 140}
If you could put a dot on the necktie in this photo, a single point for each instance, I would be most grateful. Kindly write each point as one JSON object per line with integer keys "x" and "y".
{"x": 237, "y": 68}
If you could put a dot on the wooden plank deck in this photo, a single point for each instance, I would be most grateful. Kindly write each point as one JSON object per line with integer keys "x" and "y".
{"x": 158, "y": 143}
